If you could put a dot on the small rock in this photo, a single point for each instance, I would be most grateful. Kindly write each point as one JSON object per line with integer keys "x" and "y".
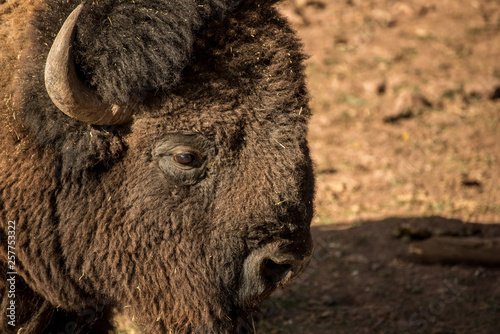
{"x": 375, "y": 87}
{"x": 422, "y": 33}
{"x": 424, "y": 10}
{"x": 357, "y": 258}
{"x": 329, "y": 300}
{"x": 496, "y": 94}
{"x": 383, "y": 17}
{"x": 483, "y": 87}
{"x": 300, "y": 3}
{"x": 414, "y": 232}
{"x": 355, "y": 208}
{"x": 405, "y": 198}
{"x": 326, "y": 314}
{"x": 337, "y": 187}
{"x": 401, "y": 8}
{"x": 407, "y": 105}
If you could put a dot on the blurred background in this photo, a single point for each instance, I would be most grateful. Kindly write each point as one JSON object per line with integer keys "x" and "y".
{"x": 406, "y": 140}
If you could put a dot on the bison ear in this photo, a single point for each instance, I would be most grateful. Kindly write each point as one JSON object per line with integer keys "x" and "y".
{"x": 71, "y": 95}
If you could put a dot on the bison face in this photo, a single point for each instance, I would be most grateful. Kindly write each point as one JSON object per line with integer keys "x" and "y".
{"x": 223, "y": 213}
{"x": 206, "y": 207}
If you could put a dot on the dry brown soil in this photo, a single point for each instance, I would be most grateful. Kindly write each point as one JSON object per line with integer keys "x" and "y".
{"x": 406, "y": 131}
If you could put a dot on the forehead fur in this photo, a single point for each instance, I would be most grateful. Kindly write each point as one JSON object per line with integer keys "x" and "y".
{"x": 242, "y": 72}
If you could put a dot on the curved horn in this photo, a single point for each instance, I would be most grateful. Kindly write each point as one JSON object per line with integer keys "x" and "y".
{"x": 71, "y": 95}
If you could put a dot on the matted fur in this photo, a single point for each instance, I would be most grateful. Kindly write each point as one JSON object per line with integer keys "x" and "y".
{"x": 125, "y": 47}
{"x": 99, "y": 226}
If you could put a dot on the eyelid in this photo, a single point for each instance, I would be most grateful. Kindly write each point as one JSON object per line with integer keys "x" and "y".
{"x": 178, "y": 149}
{"x": 175, "y": 150}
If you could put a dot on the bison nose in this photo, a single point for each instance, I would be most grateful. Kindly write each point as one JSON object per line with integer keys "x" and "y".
{"x": 272, "y": 267}
{"x": 279, "y": 269}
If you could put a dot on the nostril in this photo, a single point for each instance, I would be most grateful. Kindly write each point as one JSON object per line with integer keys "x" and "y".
{"x": 271, "y": 267}
{"x": 275, "y": 272}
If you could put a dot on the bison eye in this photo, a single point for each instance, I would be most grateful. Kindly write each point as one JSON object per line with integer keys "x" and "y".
{"x": 184, "y": 158}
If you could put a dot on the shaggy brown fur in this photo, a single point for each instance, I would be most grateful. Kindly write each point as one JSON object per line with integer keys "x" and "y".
{"x": 104, "y": 219}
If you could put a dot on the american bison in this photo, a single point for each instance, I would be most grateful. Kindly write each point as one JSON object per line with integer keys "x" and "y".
{"x": 153, "y": 163}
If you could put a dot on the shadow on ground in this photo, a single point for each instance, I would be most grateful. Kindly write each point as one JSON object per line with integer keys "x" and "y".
{"x": 362, "y": 280}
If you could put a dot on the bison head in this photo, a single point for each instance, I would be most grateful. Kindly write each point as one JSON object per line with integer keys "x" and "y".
{"x": 206, "y": 209}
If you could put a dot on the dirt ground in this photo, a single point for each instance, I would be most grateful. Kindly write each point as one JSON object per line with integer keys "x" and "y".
{"x": 406, "y": 132}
